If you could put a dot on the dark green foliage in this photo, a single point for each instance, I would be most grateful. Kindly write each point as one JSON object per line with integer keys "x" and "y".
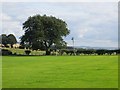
{"x": 41, "y": 32}
{"x": 67, "y": 51}
{"x": 21, "y": 47}
{"x": 5, "y": 52}
{"x": 100, "y": 52}
{"x": 118, "y": 51}
{"x": 27, "y": 52}
{"x": 10, "y": 39}
{"x": 4, "y": 39}
{"x": 89, "y": 52}
{"x": 85, "y": 51}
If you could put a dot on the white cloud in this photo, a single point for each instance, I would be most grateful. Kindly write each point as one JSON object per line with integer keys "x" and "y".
{"x": 82, "y": 32}
{"x": 60, "y": 0}
{"x": 6, "y": 17}
{"x": 95, "y": 21}
{"x": 92, "y": 43}
{"x": 10, "y": 26}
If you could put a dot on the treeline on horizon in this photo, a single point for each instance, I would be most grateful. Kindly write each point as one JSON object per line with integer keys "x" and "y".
{"x": 62, "y": 52}
{"x": 68, "y": 50}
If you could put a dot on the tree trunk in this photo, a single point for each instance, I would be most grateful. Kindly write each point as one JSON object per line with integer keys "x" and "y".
{"x": 48, "y": 52}
{"x": 11, "y": 45}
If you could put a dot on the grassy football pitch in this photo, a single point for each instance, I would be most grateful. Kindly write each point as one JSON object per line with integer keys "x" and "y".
{"x": 60, "y": 71}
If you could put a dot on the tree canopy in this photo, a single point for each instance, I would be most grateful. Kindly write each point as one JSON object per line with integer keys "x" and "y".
{"x": 41, "y": 32}
{"x": 10, "y": 39}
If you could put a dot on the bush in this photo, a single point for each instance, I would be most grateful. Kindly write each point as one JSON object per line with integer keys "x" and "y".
{"x": 27, "y": 52}
{"x": 21, "y": 47}
{"x": 5, "y": 52}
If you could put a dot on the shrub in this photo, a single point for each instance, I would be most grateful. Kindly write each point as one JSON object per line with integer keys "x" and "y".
{"x": 27, "y": 52}
{"x": 21, "y": 47}
{"x": 6, "y": 52}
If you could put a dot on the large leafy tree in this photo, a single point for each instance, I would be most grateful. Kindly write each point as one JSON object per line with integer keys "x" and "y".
{"x": 41, "y": 32}
{"x": 11, "y": 39}
{"x": 4, "y": 39}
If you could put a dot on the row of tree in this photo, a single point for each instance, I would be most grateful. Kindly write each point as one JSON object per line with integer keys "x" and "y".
{"x": 89, "y": 52}
{"x": 8, "y": 39}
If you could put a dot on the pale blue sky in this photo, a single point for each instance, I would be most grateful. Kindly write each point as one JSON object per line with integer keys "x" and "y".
{"x": 90, "y": 23}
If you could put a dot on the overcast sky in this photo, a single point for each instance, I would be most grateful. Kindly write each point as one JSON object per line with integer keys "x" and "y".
{"x": 90, "y": 23}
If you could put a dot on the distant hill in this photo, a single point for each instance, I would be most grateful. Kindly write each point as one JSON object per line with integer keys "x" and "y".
{"x": 88, "y": 47}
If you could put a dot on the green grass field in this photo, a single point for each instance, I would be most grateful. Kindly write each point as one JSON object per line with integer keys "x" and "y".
{"x": 60, "y": 72}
